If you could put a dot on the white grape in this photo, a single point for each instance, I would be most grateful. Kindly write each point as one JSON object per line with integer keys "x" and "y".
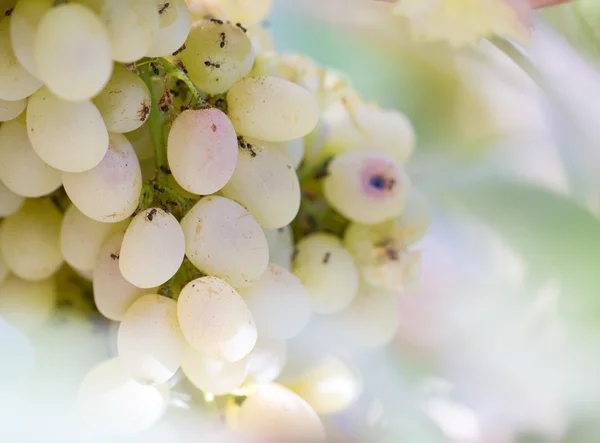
{"x": 153, "y": 248}
{"x": 366, "y": 128}
{"x": 414, "y": 221}
{"x": 275, "y": 413}
{"x": 213, "y": 376}
{"x": 112, "y": 403}
{"x": 68, "y": 136}
{"x": 223, "y": 239}
{"x": 281, "y": 246}
{"x": 81, "y": 238}
{"x": 110, "y": 191}
{"x": 202, "y": 150}
{"x": 292, "y": 149}
{"x": 327, "y": 271}
{"x": 371, "y": 320}
{"x": 271, "y": 109}
{"x": 249, "y": 12}
{"x": 267, "y": 360}
{"x": 72, "y": 52}
{"x": 10, "y": 202}
{"x": 265, "y": 184}
{"x": 27, "y": 305}
{"x": 215, "y": 320}
{"x": 11, "y": 109}
{"x": 113, "y": 294}
{"x": 124, "y": 103}
{"x": 30, "y": 242}
{"x": 279, "y": 303}
{"x": 142, "y": 142}
{"x": 329, "y": 387}
{"x": 366, "y": 187}
{"x": 21, "y": 168}
{"x": 149, "y": 341}
{"x": 24, "y": 23}
{"x": 132, "y": 26}
{"x": 15, "y": 82}
{"x": 217, "y": 55}
{"x": 174, "y": 26}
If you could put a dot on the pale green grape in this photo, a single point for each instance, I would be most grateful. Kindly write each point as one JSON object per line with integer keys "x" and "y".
{"x": 10, "y": 202}
{"x": 132, "y": 26}
{"x": 248, "y": 12}
{"x": 174, "y": 23}
{"x": 267, "y": 360}
{"x": 30, "y": 242}
{"x": 21, "y": 169}
{"x": 271, "y": 109}
{"x": 265, "y": 184}
{"x": 24, "y": 23}
{"x": 223, "y": 239}
{"x": 68, "y": 136}
{"x": 149, "y": 340}
{"x": 112, "y": 293}
{"x": 366, "y": 187}
{"x": 279, "y": 303}
{"x": 327, "y": 271}
{"x": 27, "y": 305}
{"x": 72, "y": 52}
{"x": 153, "y": 248}
{"x": 124, "y": 103}
{"x": 275, "y": 413}
{"x": 217, "y": 55}
{"x": 213, "y": 376}
{"x": 142, "y": 142}
{"x": 110, "y": 191}
{"x": 281, "y": 246}
{"x": 329, "y": 387}
{"x": 15, "y": 82}
{"x": 11, "y": 109}
{"x": 112, "y": 403}
{"x": 202, "y": 150}
{"x": 366, "y": 128}
{"x": 292, "y": 149}
{"x": 81, "y": 238}
{"x": 215, "y": 320}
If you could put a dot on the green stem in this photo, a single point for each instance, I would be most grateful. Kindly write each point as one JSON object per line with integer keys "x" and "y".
{"x": 156, "y": 123}
{"x": 174, "y": 72}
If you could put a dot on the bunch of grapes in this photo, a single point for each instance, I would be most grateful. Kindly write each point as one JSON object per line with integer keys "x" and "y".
{"x": 162, "y": 164}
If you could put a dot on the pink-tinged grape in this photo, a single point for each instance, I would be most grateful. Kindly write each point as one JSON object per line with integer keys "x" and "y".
{"x": 327, "y": 271}
{"x": 202, "y": 150}
{"x": 21, "y": 169}
{"x": 366, "y": 187}
{"x": 271, "y": 109}
{"x": 275, "y": 413}
{"x": 110, "y": 191}
{"x": 72, "y": 52}
{"x": 29, "y": 240}
{"x": 279, "y": 303}
{"x": 149, "y": 340}
{"x": 213, "y": 376}
{"x": 265, "y": 184}
{"x": 215, "y": 320}
{"x": 113, "y": 294}
{"x": 68, "y": 136}
{"x": 223, "y": 239}
{"x": 217, "y": 55}
{"x": 153, "y": 248}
